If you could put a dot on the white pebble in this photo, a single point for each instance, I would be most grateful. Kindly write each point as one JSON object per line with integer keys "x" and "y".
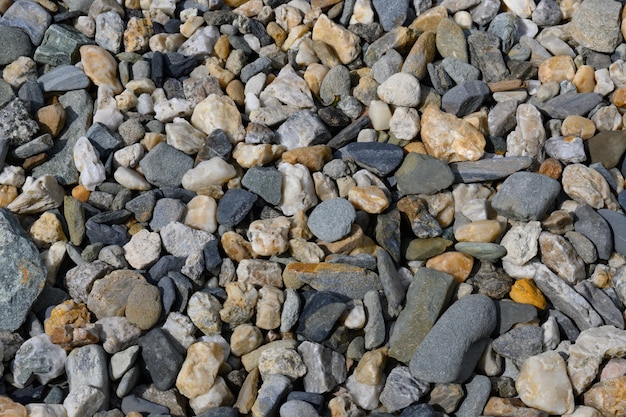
{"x": 131, "y": 179}
{"x": 87, "y": 161}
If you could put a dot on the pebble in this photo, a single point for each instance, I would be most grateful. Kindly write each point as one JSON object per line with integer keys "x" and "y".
{"x": 512, "y": 198}
{"x": 332, "y": 220}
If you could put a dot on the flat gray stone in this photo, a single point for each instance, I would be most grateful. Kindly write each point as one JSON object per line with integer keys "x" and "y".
{"x": 511, "y": 313}
{"x": 593, "y": 226}
{"x": 569, "y": 104}
{"x": 28, "y": 16}
{"x": 488, "y": 169}
{"x": 423, "y": 174}
{"x": 478, "y": 390}
{"x": 526, "y": 196}
{"x": 602, "y": 303}
{"x": 22, "y": 272}
{"x": 18, "y": 41}
{"x": 164, "y": 165}
{"x": 380, "y": 158}
{"x": 64, "y": 78}
{"x": 266, "y": 182}
{"x": 519, "y": 343}
{"x": 465, "y": 98}
{"x": 332, "y": 219}
{"x": 617, "y": 222}
{"x": 402, "y": 389}
{"x": 454, "y": 345}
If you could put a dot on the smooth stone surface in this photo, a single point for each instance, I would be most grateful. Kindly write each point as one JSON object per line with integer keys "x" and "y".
{"x": 162, "y": 155}
{"x": 488, "y": 169}
{"x": 234, "y": 206}
{"x": 63, "y": 78}
{"x": 453, "y": 346}
{"x": 423, "y": 174}
{"x": 526, "y": 196}
{"x": 380, "y": 158}
{"x": 331, "y": 220}
{"x": 617, "y": 222}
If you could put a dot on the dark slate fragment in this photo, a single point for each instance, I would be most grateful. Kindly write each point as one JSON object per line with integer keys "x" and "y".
{"x": 526, "y": 196}
{"x": 505, "y": 26}
{"x": 602, "y": 303}
{"x": 567, "y": 326}
{"x": 316, "y": 400}
{"x": 520, "y": 343}
{"x": 157, "y": 69}
{"x": 420, "y": 410}
{"x": 259, "y": 65}
{"x": 266, "y": 182}
{"x": 142, "y": 206}
{"x": 220, "y": 412}
{"x": 180, "y": 68}
{"x": 391, "y": 13}
{"x": 18, "y": 41}
{"x": 511, "y": 313}
{"x": 485, "y": 54}
{"x": 219, "y": 17}
{"x": 104, "y": 140}
{"x": 134, "y": 403}
{"x": 63, "y": 78}
{"x": 162, "y": 359}
{"x": 164, "y": 165}
{"x": 184, "y": 290}
{"x": 320, "y": 313}
{"x": 465, "y": 98}
{"x": 258, "y": 29}
{"x": 212, "y": 257}
{"x": 617, "y": 222}
{"x": 387, "y": 233}
{"x": 595, "y": 228}
{"x": 439, "y": 78}
{"x": 333, "y": 116}
{"x": 22, "y": 272}
{"x": 488, "y": 169}
{"x": 423, "y": 174}
{"x": 164, "y": 265}
{"x": 217, "y": 144}
{"x": 349, "y": 133}
{"x": 177, "y": 193}
{"x": 570, "y": 104}
{"x": 35, "y": 146}
{"x": 599, "y": 166}
{"x": 168, "y": 295}
{"x": 234, "y": 206}
{"x": 108, "y": 235}
{"x": 111, "y": 217}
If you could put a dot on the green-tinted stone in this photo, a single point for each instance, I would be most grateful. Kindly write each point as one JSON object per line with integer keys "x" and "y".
{"x": 423, "y": 174}
{"x": 491, "y": 252}
{"x": 60, "y": 46}
{"x": 75, "y": 218}
{"x": 607, "y": 147}
{"x": 428, "y": 295}
{"x": 423, "y": 249}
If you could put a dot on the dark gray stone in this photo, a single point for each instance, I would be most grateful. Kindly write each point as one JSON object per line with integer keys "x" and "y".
{"x": 17, "y": 42}
{"x": 349, "y": 133}
{"x": 134, "y": 403}
{"x": 392, "y": 285}
{"x": 362, "y": 260}
{"x": 30, "y": 92}
{"x": 104, "y": 140}
{"x": 391, "y": 13}
{"x": 505, "y": 26}
{"x": 164, "y": 165}
{"x": 4, "y": 149}
{"x": 234, "y": 206}
{"x": 220, "y": 412}
{"x": 336, "y": 83}
{"x": 348, "y": 280}
{"x": 261, "y": 64}
{"x": 478, "y": 391}
{"x": 602, "y": 303}
{"x": 28, "y": 16}
{"x": 22, "y": 272}
{"x": 321, "y": 312}
{"x": 387, "y": 233}
{"x": 593, "y": 226}
{"x": 526, "y": 196}
{"x": 166, "y": 211}
{"x": 420, "y": 410}
{"x": 163, "y": 361}
{"x": 548, "y": 13}
{"x": 567, "y": 326}
{"x": 380, "y": 158}
{"x": 485, "y": 54}
{"x": 6, "y": 92}
{"x": 375, "y": 330}
{"x": 454, "y": 345}
{"x": 63, "y": 78}
{"x": 617, "y": 223}
{"x": 35, "y": 146}
{"x": 79, "y": 109}
{"x": 439, "y": 78}
{"x": 511, "y": 313}
{"x": 297, "y": 408}
{"x": 460, "y": 71}
{"x": 274, "y": 389}
{"x": 520, "y": 343}
{"x": 106, "y": 234}
{"x": 569, "y": 104}
{"x": 465, "y": 98}
{"x": 332, "y": 219}
{"x": 423, "y": 174}
{"x": 583, "y": 246}
{"x": 142, "y": 206}
{"x": 488, "y": 169}
{"x": 266, "y": 182}
{"x": 385, "y": 67}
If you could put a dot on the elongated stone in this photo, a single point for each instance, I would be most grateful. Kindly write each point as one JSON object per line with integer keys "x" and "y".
{"x": 488, "y": 169}
{"x": 344, "y": 279}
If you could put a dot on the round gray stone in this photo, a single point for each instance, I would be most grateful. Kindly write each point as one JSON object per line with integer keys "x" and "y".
{"x": 332, "y": 219}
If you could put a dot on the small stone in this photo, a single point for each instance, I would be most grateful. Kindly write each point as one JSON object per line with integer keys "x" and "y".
{"x": 519, "y": 343}
{"x": 595, "y": 228}
{"x": 199, "y": 370}
{"x": 566, "y": 149}
{"x": 607, "y": 147}
{"x": 543, "y": 384}
{"x": 344, "y": 43}
{"x": 428, "y": 363}
{"x": 400, "y": 89}
{"x": 588, "y": 186}
{"x": 341, "y": 215}
{"x": 203, "y": 310}
{"x": 301, "y": 129}
{"x": 143, "y": 308}
{"x": 478, "y": 391}
{"x": 465, "y": 98}
{"x": 401, "y": 389}
{"x": 40, "y": 358}
{"x": 512, "y": 199}
{"x": 451, "y": 42}
{"x": 234, "y": 206}
{"x": 289, "y": 88}
{"x": 269, "y": 237}
{"x": 596, "y": 25}
{"x": 84, "y": 400}
{"x": 219, "y": 112}
{"x": 271, "y": 394}
{"x": 446, "y": 396}
{"x": 526, "y": 292}
{"x": 207, "y": 174}
{"x": 281, "y": 361}
{"x": 244, "y": 339}
{"x": 109, "y": 295}
{"x": 181, "y": 240}
{"x": 415, "y": 175}
{"x": 298, "y": 189}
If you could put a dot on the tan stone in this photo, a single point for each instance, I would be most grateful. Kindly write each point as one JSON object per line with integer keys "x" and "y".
{"x": 429, "y": 20}
{"x": 8, "y": 193}
{"x": 525, "y": 291}
{"x": 295, "y": 34}
{"x": 543, "y": 384}
{"x": 259, "y": 272}
{"x": 608, "y": 397}
{"x": 369, "y": 371}
{"x": 251, "y": 360}
{"x": 421, "y": 54}
{"x": 100, "y": 66}
{"x": 347, "y": 244}
{"x": 64, "y": 318}
{"x": 81, "y": 193}
{"x": 222, "y": 47}
{"x": 585, "y": 80}
{"x": 219, "y": 112}
{"x": 457, "y": 264}
{"x": 19, "y": 71}
{"x": 551, "y": 168}
{"x": 269, "y": 237}
{"x": 344, "y": 43}
{"x": 314, "y": 75}
{"x": 47, "y": 230}
{"x": 239, "y": 305}
{"x": 249, "y": 155}
{"x": 235, "y": 90}
{"x": 191, "y": 25}
{"x": 478, "y": 231}
{"x": 236, "y": 247}
{"x": 9, "y": 408}
{"x": 51, "y": 119}
{"x": 370, "y": 199}
{"x": 244, "y": 339}
{"x": 588, "y": 186}
{"x": 268, "y": 307}
{"x": 247, "y": 394}
{"x": 447, "y": 137}
{"x": 557, "y": 68}
{"x": 584, "y": 411}
{"x": 201, "y": 366}
{"x": 313, "y": 157}
{"x": 304, "y": 251}
{"x": 579, "y": 126}
{"x": 509, "y": 407}
{"x": 277, "y": 33}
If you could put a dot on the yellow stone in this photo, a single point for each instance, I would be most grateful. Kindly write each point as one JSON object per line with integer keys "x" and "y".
{"x": 370, "y": 368}
{"x": 8, "y": 193}
{"x": 277, "y": 33}
{"x": 235, "y": 90}
{"x": 313, "y": 157}
{"x": 417, "y": 147}
{"x": 81, "y": 193}
{"x": 447, "y": 137}
{"x": 578, "y": 126}
{"x": 100, "y": 66}
{"x": 478, "y": 231}
{"x": 346, "y": 44}
{"x": 525, "y": 291}
{"x": 222, "y": 47}
{"x": 619, "y": 97}
{"x": 137, "y": 34}
{"x": 314, "y": 75}
{"x": 237, "y": 247}
{"x": 64, "y": 318}
{"x": 191, "y": 25}
{"x": 558, "y": 68}
{"x": 152, "y": 139}
{"x": 9, "y": 408}
{"x": 370, "y": 199}
{"x": 585, "y": 79}
{"x": 51, "y": 119}
{"x": 47, "y": 230}
{"x": 457, "y": 264}
{"x": 551, "y": 168}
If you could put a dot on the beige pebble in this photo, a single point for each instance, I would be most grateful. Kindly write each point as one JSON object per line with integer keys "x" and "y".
{"x": 345, "y": 44}
{"x": 558, "y": 68}
{"x": 585, "y": 80}
{"x": 457, "y": 264}
{"x": 269, "y": 237}
{"x": 100, "y": 66}
{"x": 579, "y": 126}
{"x": 370, "y": 199}
{"x": 200, "y": 368}
{"x": 244, "y": 339}
{"x": 478, "y": 231}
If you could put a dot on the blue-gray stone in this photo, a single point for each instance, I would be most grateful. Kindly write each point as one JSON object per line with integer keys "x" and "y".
{"x": 402, "y": 389}
{"x": 520, "y": 343}
{"x": 505, "y": 26}
{"x": 478, "y": 391}
{"x": 28, "y": 16}
{"x": 567, "y": 326}
{"x": 465, "y": 98}
{"x": 142, "y": 206}
{"x": 602, "y": 303}
{"x": 454, "y": 345}
{"x": 164, "y": 265}
{"x": 22, "y": 272}
{"x": 316, "y": 400}
{"x": 220, "y": 412}
{"x": 168, "y": 294}
{"x": 387, "y": 233}
{"x": 386, "y": 66}
{"x": 88, "y": 365}
{"x": 212, "y": 257}
{"x": 485, "y": 54}
{"x": 184, "y": 289}
{"x": 362, "y": 260}
{"x": 321, "y": 312}
{"x": 526, "y": 196}
{"x": 106, "y": 234}
{"x": 63, "y": 78}
{"x": 548, "y": 13}
{"x": 332, "y": 219}
{"x": 266, "y": 182}
{"x": 104, "y": 140}
{"x": 378, "y": 157}
{"x": 164, "y": 165}
{"x": 511, "y": 313}
{"x": 336, "y": 84}
{"x": 420, "y": 410}
{"x": 423, "y": 174}
{"x": 392, "y": 284}
{"x": 162, "y": 359}
{"x": 570, "y": 104}
{"x": 31, "y": 93}
{"x": 17, "y": 44}
{"x": 16, "y": 123}
{"x": 261, "y": 64}
{"x": 6, "y": 92}
{"x": 297, "y": 408}
{"x": 460, "y": 71}
{"x": 595, "y": 228}
{"x": 60, "y": 46}
{"x": 4, "y": 149}
{"x": 166, "y": 211}
{"x": 35, "y": 146}
{"x": 274, "y": 389}
{"x": 606, "y": 174}
{"x": 79, "y": 109}
{"x": 391, "y": 13}
{"x": 617, "y": 222}
{"x": 134, "y": 403}
{"x": 234, "y": 206}
{"x": 607, "y": 147}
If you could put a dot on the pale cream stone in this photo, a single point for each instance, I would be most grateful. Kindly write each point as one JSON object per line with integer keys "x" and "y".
{"x": 345, "y": 43}
{"x": 39, "y": 195}
{"x": 184, "y": 137}
{"x": 588, "y": 186}
{"x": 380, "y": 115}
{"x": 219, "y": 395}
{"x": 354, "y": 317}
{"x": 325, "y": 187}
{"x": 314, "y": 75}
{"x": 126, "y": 100}
{"x": 584, "y": 411}
{"x": 201, "y": 213}
{"x": 19, "y": 71}
{"x": 290, "y": 89}
{"x": 141, "y": 86}
{"x": 528, "y": 137}
{"x": 298, "y": 191}
{"x": 269, "y": 237}
{"x": 283, "y": 361}
{"x": 369, "y": 371}
{"x": 129, "y": 156}
{"x": 200, "y": 368}
{"x": 521, "y": 242}
{"x": 405, "y": 123}
{"x": 219, "y": 112}
{"x": 45, "y": 410}
{"x": 166, "y": 42}
{"x": 209, "y": 173}
{"x": 87, "y": 162}
{"x": 522, "y": 8}
{"x": 259, "y": 272}
{"x": 362, "y": 12}
{"x": 100, "y": 66}
{"x": 558, "y": 254}
{"x": 189, "y": 27}
{"x": 478, "y": 231}
{"x": 268, "y": 307}
{"x": 245, "y": 338}
{"x": 131, "y": 179}
{"x": 47, "y": 230}
{"x": 370, "y": 199}
{"x": 543, "y": 384}
{"x": 249, "y": 155}
{"x": 240, "y": 302}
{"x": 143, "y": 249}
